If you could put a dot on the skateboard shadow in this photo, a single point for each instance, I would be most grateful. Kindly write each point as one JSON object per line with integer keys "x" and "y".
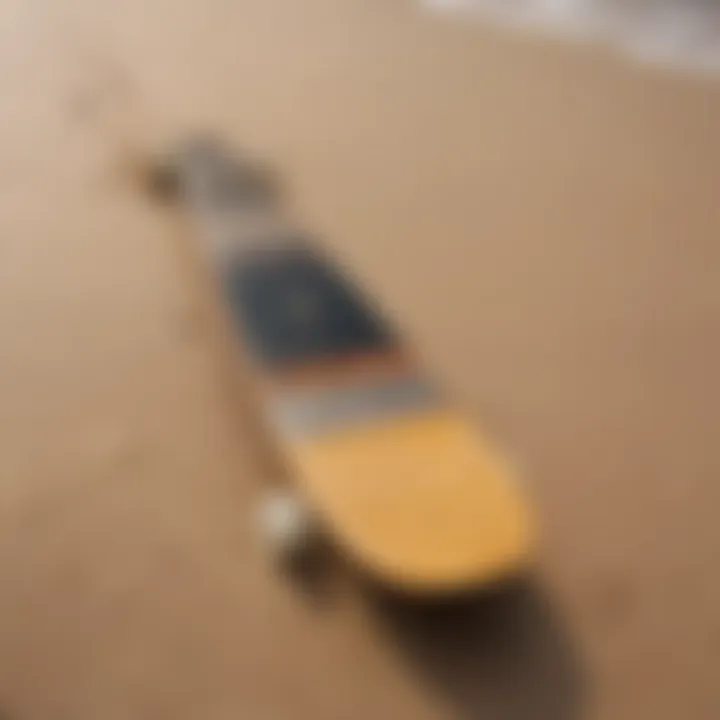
{"x": 503, "y": 656}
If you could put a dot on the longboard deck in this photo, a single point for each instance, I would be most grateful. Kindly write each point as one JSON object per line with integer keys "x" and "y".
{"x": 406, "y": 485}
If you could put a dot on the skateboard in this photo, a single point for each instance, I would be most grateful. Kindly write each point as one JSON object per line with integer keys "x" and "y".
{"x": 404, "y": 484}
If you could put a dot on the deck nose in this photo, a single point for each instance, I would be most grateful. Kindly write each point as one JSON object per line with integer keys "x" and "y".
{"x": 419, "y": 499}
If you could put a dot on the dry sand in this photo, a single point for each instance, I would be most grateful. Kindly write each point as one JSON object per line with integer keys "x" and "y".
{"x": 544, "y": 222}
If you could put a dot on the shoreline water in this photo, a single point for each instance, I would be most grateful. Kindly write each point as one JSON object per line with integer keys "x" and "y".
{"x": 680, "y": 34}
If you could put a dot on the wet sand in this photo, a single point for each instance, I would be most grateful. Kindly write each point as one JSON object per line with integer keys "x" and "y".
{"x": 543, "y": 221}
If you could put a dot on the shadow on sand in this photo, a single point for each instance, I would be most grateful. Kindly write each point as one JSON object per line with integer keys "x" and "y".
{"x": 502, "y": 656}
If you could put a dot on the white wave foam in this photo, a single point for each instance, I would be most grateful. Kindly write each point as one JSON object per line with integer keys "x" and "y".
{"x": 677, "y": 32}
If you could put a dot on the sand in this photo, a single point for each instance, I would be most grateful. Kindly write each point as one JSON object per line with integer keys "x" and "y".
{"x": 541, "y": 219}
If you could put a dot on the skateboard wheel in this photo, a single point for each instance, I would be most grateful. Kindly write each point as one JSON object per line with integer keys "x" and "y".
{"x": 286, "y": 526}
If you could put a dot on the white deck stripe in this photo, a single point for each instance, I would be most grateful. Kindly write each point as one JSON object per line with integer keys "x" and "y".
{"x": 313, "y": 412}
